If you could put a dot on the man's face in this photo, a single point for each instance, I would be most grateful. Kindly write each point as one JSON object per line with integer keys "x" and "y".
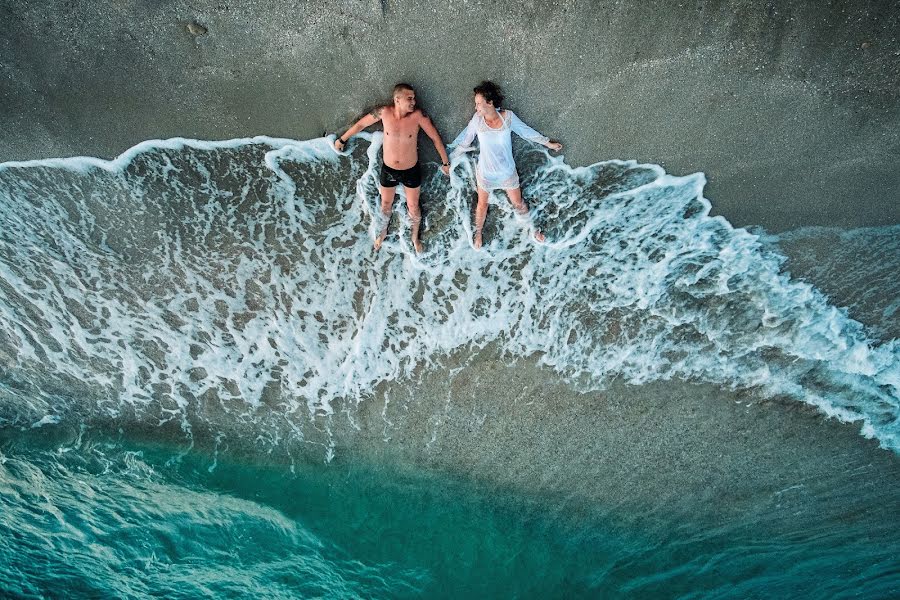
{"x": 405, "y": 100}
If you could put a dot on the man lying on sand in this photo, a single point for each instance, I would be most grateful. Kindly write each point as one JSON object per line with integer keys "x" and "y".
{"x": 402, "y": 122}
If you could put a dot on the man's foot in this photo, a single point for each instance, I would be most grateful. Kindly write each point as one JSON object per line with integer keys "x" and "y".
{"x": 539, "y": 235}
{"x": 476, "y": 241}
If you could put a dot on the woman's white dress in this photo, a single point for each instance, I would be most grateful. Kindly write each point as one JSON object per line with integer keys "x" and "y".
{"x": 496, "y": 168}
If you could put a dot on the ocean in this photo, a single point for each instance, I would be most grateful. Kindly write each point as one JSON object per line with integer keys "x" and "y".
{"x": 212, "y": 386}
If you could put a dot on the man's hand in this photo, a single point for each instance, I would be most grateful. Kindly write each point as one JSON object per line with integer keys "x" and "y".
{"x": 432, "y": 132}
{"x": 369, "y": 119}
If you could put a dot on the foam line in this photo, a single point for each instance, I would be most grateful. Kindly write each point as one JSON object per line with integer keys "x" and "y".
{"x": 241, "y": 274}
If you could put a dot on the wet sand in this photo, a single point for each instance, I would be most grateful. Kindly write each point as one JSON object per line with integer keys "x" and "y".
{"x": 790, "y": 109}
{"x": 665, "y": 452}
{"x": 671, "y": 460}
{"x": 670, "y": 449}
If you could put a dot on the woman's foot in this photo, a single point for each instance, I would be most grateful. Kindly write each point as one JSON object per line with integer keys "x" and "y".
{"x": 539, "y": 235}
{"x": 380, "y": 239}
{"x": 476, "y": 240}
{"x": 417, "y": 245}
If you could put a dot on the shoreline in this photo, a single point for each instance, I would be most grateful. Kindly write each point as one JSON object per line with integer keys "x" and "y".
{"x": 791, "y": 112}
{"x": 672, "y": 449}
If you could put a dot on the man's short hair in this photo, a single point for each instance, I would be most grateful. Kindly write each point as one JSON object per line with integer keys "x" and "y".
{"x": 490, "y": 91}
{"x": 402, "y": 87}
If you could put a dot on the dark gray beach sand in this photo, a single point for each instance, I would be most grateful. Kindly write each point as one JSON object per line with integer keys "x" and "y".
{"x": 790, "y": 108}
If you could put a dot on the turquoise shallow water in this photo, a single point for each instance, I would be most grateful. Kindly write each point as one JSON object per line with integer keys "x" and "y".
{"x": 99, "y": 519}
{"x": 110, "y": 520}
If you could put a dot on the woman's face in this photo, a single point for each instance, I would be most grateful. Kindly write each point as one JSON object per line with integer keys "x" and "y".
{"x": 483, "y": 107}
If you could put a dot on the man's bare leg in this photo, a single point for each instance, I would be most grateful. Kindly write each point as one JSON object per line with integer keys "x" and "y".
{"x": 480, "y": 215}
{"x": 415, "y": 216}
{"x": 387, "y": 203}
{"x": 515, "y": 196}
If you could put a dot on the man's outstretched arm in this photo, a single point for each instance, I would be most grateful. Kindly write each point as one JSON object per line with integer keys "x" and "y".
{"x": 369, "y": 119}
{"x": 432, "y": 132}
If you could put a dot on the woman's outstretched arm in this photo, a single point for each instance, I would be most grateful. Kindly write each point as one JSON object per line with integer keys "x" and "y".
{"x": 519, "y": 126}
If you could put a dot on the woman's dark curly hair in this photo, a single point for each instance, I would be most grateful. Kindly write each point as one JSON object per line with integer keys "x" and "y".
{"x": 490, "y": 91}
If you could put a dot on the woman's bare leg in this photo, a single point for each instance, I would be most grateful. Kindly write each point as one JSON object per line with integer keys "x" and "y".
{"x": 515, "y": 196}
{"x": 480, "y": 215}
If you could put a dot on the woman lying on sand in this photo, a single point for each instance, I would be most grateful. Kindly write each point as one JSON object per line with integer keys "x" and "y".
{"x": 496, "y": 169}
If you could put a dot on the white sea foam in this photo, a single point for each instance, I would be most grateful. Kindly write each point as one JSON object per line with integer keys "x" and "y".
{"x": 241, "y": 272}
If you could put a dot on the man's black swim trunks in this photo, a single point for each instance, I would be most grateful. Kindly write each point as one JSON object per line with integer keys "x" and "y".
{"x": 410, "y": 178}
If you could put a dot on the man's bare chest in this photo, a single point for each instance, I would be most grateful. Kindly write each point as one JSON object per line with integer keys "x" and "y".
{"x": 400, "y": 129}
